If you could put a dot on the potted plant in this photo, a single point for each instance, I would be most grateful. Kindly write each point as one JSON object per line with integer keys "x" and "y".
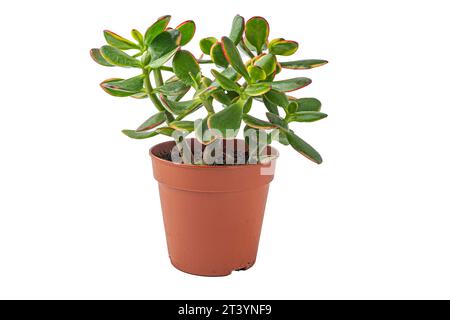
{"x": 213, "y": 187}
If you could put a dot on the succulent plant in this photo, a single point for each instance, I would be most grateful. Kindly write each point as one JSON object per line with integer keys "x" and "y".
{"x": 235, "y": 87}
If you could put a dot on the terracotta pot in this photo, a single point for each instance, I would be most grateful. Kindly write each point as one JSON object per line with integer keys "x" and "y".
{"x": 212, "y": 214}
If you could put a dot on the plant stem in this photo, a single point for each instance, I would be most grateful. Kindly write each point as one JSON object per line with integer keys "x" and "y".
{"x": 166, "y": 68}
{"x": 149, "y": 89}
{"x": 204, "y": 61}
{"x": 158, "y": 77}
{"x": 209, "y": 107}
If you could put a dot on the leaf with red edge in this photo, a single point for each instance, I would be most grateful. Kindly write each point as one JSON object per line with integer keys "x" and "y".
{"x": 233, "y": 57}
{"x": 290, "y": 84}
{"x": 152, "y": 122}
{"x": 155, "y": 29}
{"x": 303, "y": 64}
{"x": 187, "y": 30}
{"x": 119, "y": 42}
{"x": 256, "y": 32}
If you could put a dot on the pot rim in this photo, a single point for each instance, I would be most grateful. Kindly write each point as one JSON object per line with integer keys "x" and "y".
{"x": 225, "y": 166}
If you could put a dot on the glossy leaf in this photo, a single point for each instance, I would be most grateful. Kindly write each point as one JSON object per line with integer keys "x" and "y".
{"x": 248, "y": 106}
{"x": 122, "y": 88}
{"x": 233, "y": 57}
{"x": 206, "y": 44}
{"x": 201, "y": 131}
{"x": 167, "y": 131}
{"x": 229, "y": 118}
{"x": 187, "y": 30}
{"x": 306, "y": 116}
{"x": 303, "y": 64}
{"x": 119, "y": 58}
{"x": 283, "y": 47}
{"x": 137, "y": 36}
{"x": 277, "y": 120}
{"x": 152, "y": 122}
{"x": 267, "y": 62}
{"x": 290, "y": 84}
{"x": 292, "y": 107}
{"x": 217, "y": 55}
{"x": 308, "y": 104}
{"x": 177, "y": 107}
{"x": 155, "y": 29}
{"x": 184, "y": 65}
{"x": 270, "y": 106}
{"x": 140, "y": 95}
{"x": 257, "y": 32}
{"x": 163, "y": 47}
{"x": 119, "y": 42}
{"x": 220, "y": 96}
{"x": 237, "y": 29}
{"x": 257, "y": 123}
{"x": 205, "y": 93}
{"x": 225, "y": 83}
{"x": 277, "y": 98}
{"x": 256, "y": 73}
{"x": 303, "y": 147}
{"x": 97, "y": 57}
{"x": 182, "y": 125}
{"x": 257, "y": 89}
{"x": 173, "y": 88}
{"x": 139, "y": 135}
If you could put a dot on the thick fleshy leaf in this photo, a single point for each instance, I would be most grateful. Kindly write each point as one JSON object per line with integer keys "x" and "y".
{"x": 167, "y": 131}
{"x": 234, "y": 58}
{"x": 217, "y": 55}
{"x": 187, "y": 30}
{"x": 267, "y": 62}
{"x": 201, "y": 131}
{"x": 278, "y": 98}
{"x": 303, "y": 147}
{"x": 270, "y": 106}
{"x": 155, "y": 29}
{"x": 257, "y": 123}
{"x": 152, "y": 122}
{"x": 119, "y": 42}
{"x": 163, "y": 47}
{"x": 182, "y": 125}
{"x": 256, "y": 73}
{"x": 283, "y": 47}
{"x": 137, "y": 36}
{"x": 292, "y": 107}
{"x": 123, "y": 88}
{"x": 248, "y": 106}
{"x": 119, "y": 58}
{"x": 185, "y": 66}
{"x": 220, "y": 96}
{"x": 178, "y": 107}
{"x": 303, "y": 64}
{"x": 237, "y": 29}
{"x": 257, "y": 32}
{"x": 206, "y": 44}
{"x": 277, "y": 120}
{"x": 173, "y": 88}
{"x": 306, "y": 116}
{"x": 225, "y": 83}
{"x": 139, "y": 135}
{"x": 257, "y": 89}
{"x": 290, "y": 84}
{"x": 97, "y": 57}
{"x": 308, "y": 104}
{"x": 227, "y": 119}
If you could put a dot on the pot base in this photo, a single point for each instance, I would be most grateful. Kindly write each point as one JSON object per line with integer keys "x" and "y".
{"x": 219, "y": 273}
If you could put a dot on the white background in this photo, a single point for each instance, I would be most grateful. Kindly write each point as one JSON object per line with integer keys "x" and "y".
{"x": 79, "y": 210}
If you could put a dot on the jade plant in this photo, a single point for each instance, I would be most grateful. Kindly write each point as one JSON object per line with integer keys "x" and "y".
{"x": 239, "y": 73}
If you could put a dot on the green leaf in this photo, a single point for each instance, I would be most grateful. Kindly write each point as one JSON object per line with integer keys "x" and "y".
{"x": 184, "y": 63}
{"x": 277, "y": 120}
{"x": 257, "y": 32}
{"x": 234, "y": 58}
{"x": 119, "y": 42}
{"x": 228, "y": 118}
{"x": 290, "y": 84}
{"x": 138, "y": 37}
{"x": 187, "y": 30}
{"x": 182, "y": 125}
{"x": 308, "y": 104}
{"x": 163, "y": 47}
{"x": 277, "y": 98}
{"x": 237, "y": 29}
{"x": 155, "y": 29}
{"x": 270, "y": 106}
{"x": 220, "y": 96}
{"x": 283, "y": 47}
{"x": 206, "y": 44}
{"x": 303, "y": 64}
{"x": 123, "y": 88}
{"x": 257, "y": 123}
{"x": 257, "y": 89}
{"x": 201, "y": 130}
{"x": 178, "y": 107}
{"x": 304, "y": 148}
{"x": 225, "y": 83}
{"x": 306, "y": 116}
{"x": 173, "y": 88}
{"x": 119, "y": 58}
{"x": 165, "y": 131}
{"x": 256, "y": 73}
{"x": 292, "y": 107}
{"x": 267, "y": 62}
{"x": 217, "y": 55}
{"x": 247, "y": 106}
{"x": 97, "y": 57}
{"x": 139, "y": 135}
{"x": 154, "y": 121}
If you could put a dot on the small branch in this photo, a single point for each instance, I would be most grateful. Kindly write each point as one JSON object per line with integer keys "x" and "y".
{"x": 164, "y": 68}
{"x": 204, "y": 61}
{"x": 158, "y": 77}
{"x": 149, "y": 90}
